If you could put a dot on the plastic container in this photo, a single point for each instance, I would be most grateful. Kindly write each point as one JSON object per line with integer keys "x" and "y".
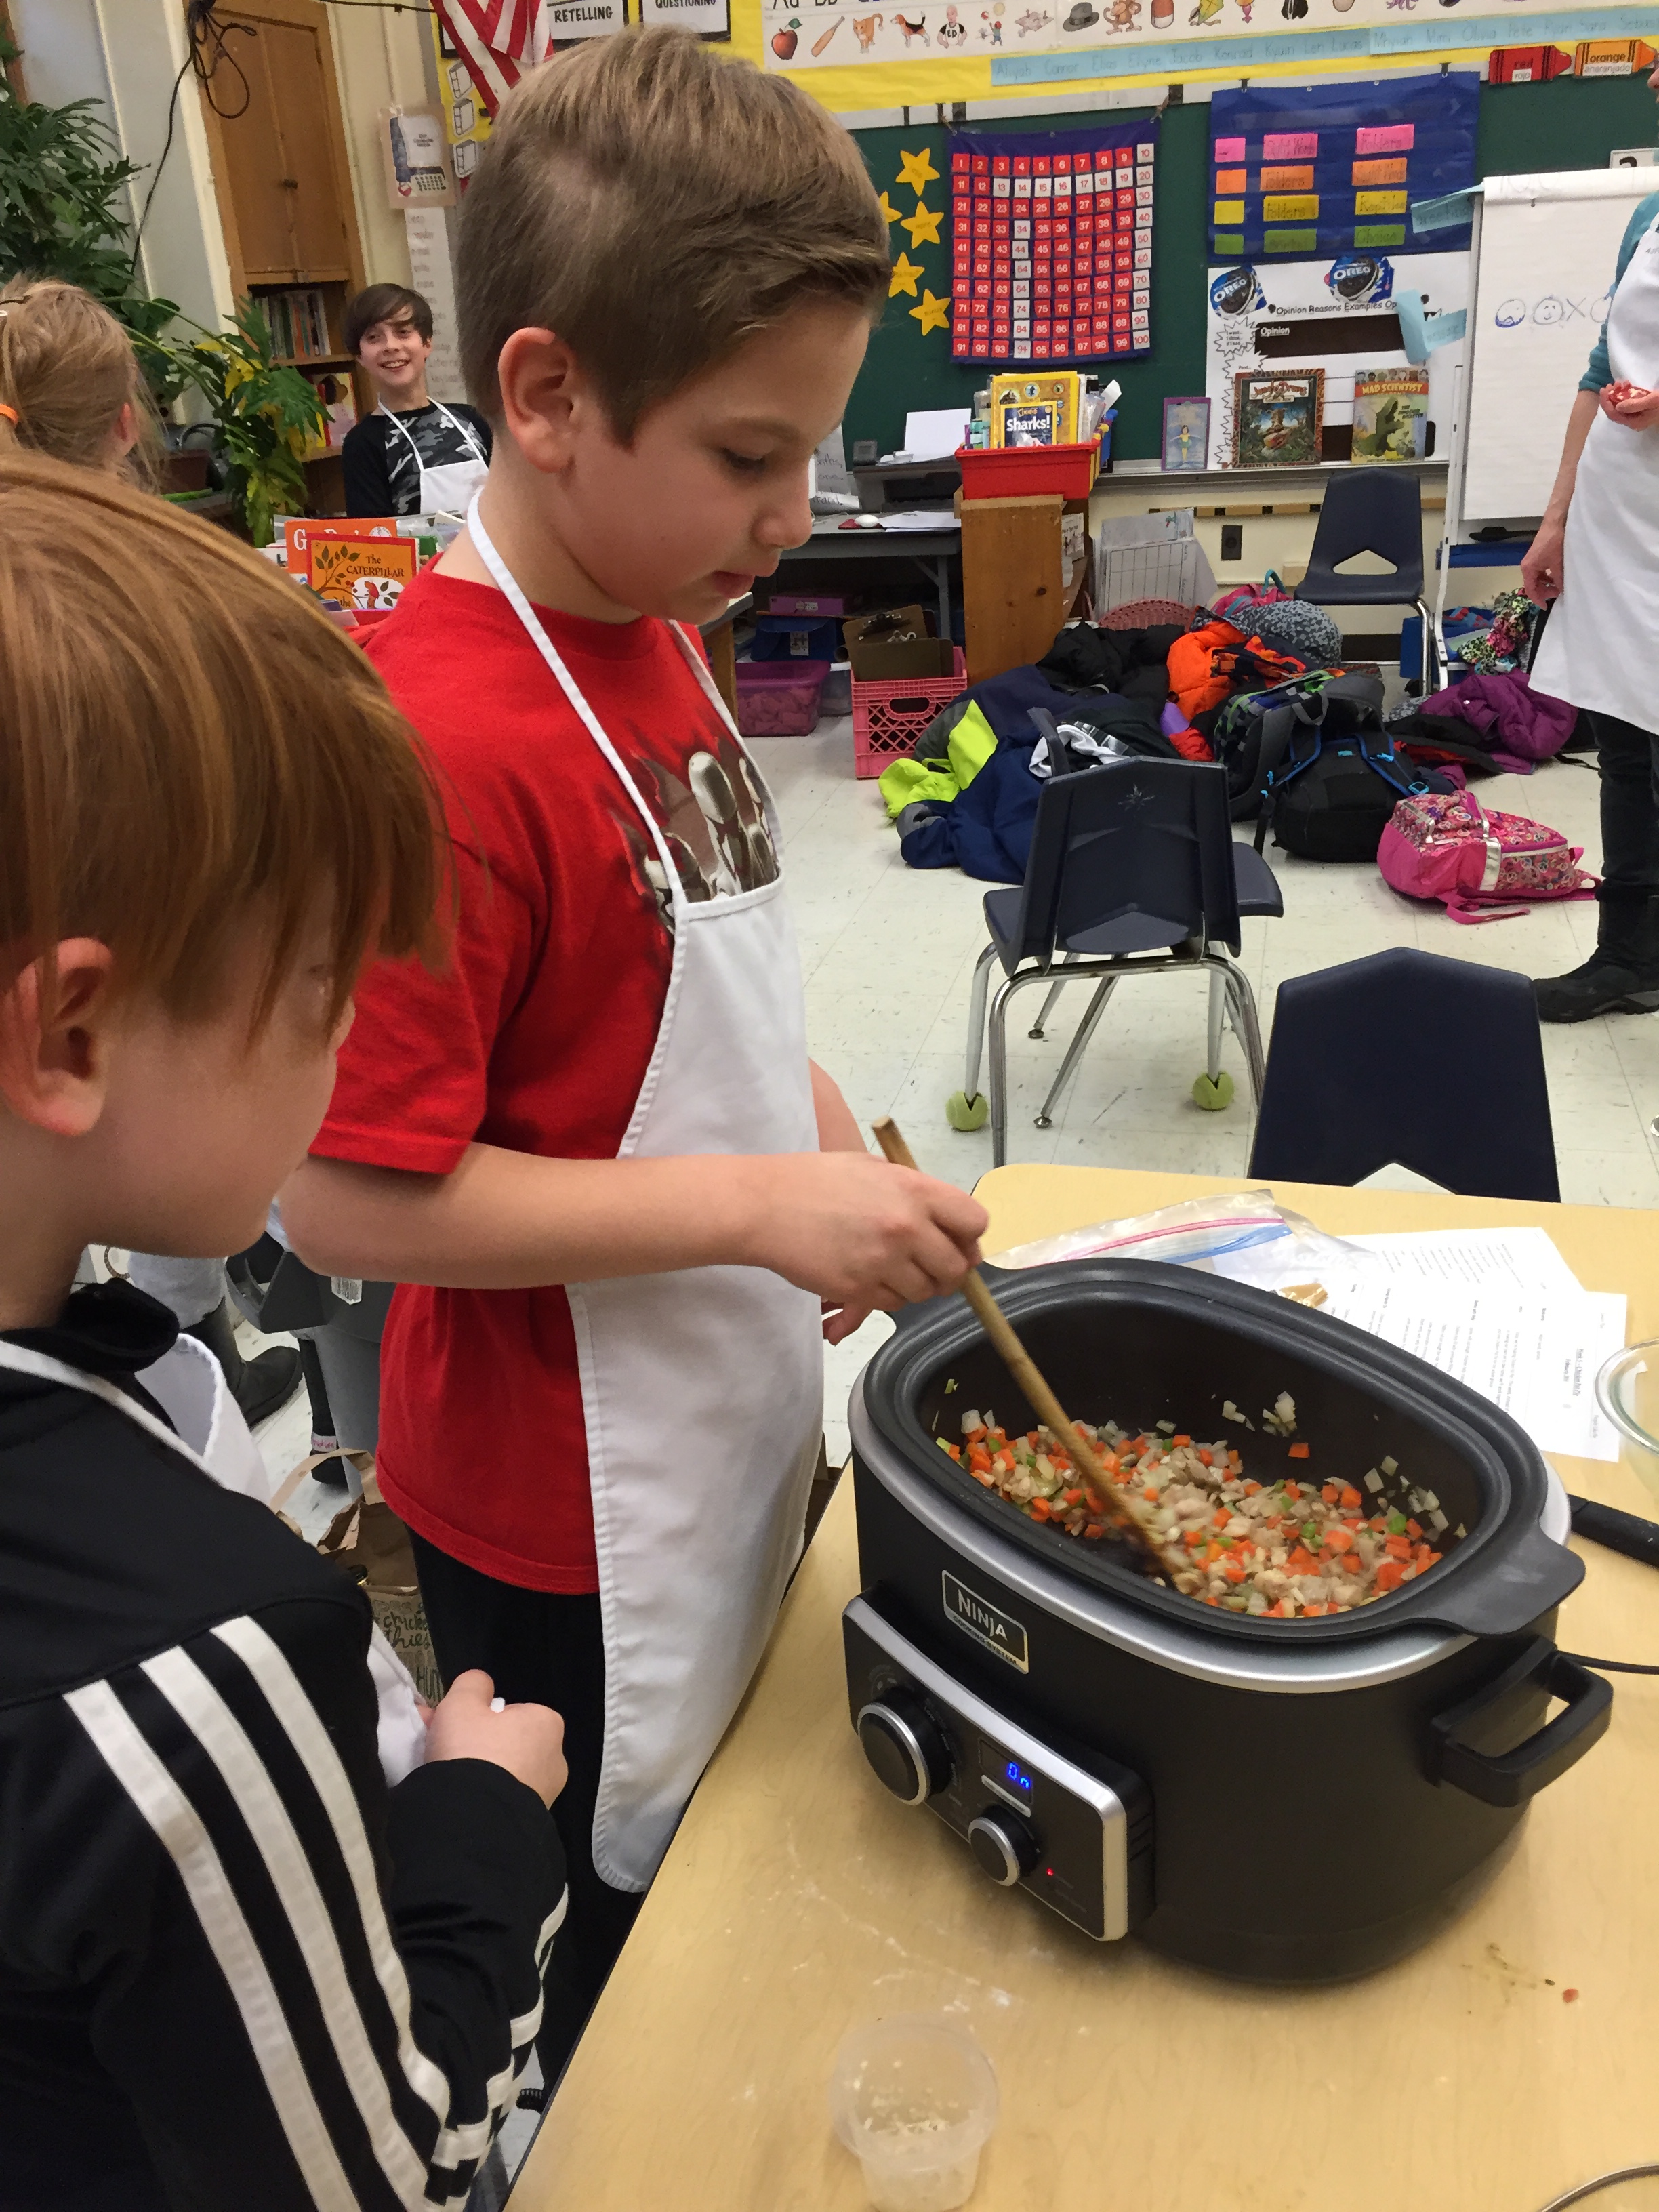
{"x": 913, "y": 2098}
{"x": 1628, "y": 1391}
{"x": 888, "y": 718}
{"x": 795, "y": 637}
{"x": 780, "y": 698}
{"x": 1023, "y": 472}
{"x": 810, "y": 603}
{"x": 837, "y": 689}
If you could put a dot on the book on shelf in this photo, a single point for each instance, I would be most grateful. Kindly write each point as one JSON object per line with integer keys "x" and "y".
{"x": 298, "y": 320}
{"x": 333, "y": 388}
{"x": 1390, "y": 413}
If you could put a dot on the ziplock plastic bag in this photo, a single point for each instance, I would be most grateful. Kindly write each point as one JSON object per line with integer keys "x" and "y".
{"x": 1244, "y": 1234}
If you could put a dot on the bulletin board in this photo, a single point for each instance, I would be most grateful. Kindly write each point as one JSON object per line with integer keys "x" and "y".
{"x": 1571, "y": 123}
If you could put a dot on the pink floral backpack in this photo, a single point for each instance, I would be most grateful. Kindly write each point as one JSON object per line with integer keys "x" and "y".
{"x": 1483, "y": 866}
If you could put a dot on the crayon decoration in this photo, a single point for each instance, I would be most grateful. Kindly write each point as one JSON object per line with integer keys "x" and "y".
{"x": 1052, "y": 244}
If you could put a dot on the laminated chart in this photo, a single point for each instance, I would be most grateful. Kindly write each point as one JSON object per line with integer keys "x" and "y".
{"x": 1052, "y": 244}
{"x": 1334, "y": 169}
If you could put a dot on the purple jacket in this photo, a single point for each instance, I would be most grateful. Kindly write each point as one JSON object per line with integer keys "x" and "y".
{"x": 1520, "y": 725}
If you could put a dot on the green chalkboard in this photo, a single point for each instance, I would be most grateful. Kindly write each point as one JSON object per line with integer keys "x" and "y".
{"x": 1571, "y": 123}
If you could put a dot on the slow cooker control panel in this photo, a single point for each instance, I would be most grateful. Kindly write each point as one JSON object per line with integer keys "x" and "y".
{"x": 1032, "y": 1818}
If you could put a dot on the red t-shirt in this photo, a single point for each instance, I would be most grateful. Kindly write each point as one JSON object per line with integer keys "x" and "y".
{"x": 537, "y": 1035}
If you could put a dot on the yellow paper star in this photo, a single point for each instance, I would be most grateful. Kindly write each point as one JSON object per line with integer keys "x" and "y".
{"x": 889, "y": 209}
{"x": 917, "y": 171}
{"x": 933, "y": 315}
{"x": 905, "y": 273}
{"x": 923, "y": 226}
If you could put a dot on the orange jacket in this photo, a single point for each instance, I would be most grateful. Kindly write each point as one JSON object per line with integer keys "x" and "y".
{"x": 1202, "y": 665}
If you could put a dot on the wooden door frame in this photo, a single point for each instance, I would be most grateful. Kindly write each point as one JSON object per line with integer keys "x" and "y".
{"x": 15, "y": 67}
{"x": 305, "y": 14}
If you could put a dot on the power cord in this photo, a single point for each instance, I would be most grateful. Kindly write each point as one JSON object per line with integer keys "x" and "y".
{"x": 1602, "y": 2180}
{"x": 208, "y": 50}
{"x": 1608, "y": 1666}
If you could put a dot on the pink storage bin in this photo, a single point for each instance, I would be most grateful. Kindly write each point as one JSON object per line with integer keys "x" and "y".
{"x": 780, "y": 698}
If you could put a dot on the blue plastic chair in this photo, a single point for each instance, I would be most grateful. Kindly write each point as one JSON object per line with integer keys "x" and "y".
{"x": 1406, "y": 1056}
{"x": 1134, "y": 870}
{"x": 1376, "y": 511}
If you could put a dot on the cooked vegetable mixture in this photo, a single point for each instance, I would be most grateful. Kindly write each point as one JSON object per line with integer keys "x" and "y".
{"x": 1295, "y": 1548}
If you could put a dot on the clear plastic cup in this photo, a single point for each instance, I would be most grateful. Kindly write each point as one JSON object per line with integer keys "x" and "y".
{"x": 1628, "y": 1391}
{"x": 914, "y": 2098}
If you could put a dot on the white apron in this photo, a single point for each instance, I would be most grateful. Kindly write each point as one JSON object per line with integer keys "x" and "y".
{"x": 188, "y": 1385}
{"x": 449, "y": 489}
{"x": 703, "y": 1391}
{"x": 1601, "y": 647}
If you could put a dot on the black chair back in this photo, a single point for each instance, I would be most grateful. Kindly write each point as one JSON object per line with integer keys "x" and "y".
{"x": 1371, "y": 511}
{"x": 1406, "y": 1056}
{"x": 1132, "y": 857}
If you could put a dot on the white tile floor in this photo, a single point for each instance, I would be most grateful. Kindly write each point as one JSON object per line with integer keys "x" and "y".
{"x": 887, "y": 952}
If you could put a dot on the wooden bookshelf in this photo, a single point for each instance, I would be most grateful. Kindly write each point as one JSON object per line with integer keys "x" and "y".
{"x": 283, "y": 186}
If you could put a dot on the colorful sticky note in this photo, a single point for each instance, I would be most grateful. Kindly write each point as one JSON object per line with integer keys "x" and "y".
{"x": 1230, "y": 242}
{"x": 1379, "y": 173}
{"x": 1387, "y": 138}
{"x": 1379, "y": 203}
{"x": 1287, "y": 180}
{"x": 1380, "y": 233}
{"x": 1232, "y": 181}
{"x": 1304, "y": 207}
{"x": 1229, "y": 150}
{"x": 1290, "y": 242}
{"x": 1229, "y": 211}
{"x": 1291, "y": 146}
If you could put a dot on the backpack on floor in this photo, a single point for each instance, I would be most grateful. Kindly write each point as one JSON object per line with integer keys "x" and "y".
{"x": 1251, "y": 733}
{"x": 1482, "y": 866}
{"x": 1330, "y": 794}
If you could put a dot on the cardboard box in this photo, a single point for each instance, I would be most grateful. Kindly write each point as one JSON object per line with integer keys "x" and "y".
{"x": 896, "y": 643}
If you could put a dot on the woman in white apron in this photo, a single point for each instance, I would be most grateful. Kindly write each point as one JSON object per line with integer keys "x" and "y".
{"x": 1596, "y": 559}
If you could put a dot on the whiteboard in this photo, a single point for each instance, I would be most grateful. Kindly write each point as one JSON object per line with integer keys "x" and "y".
{"x": 1546, "y": 249}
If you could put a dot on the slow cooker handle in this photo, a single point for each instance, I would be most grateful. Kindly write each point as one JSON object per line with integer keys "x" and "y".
{"x": 1511, "y": 1777}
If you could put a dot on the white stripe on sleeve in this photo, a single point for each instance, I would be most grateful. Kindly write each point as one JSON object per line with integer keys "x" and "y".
{"x": 222, "y": 1737}
{"x": 158, "y": 1797}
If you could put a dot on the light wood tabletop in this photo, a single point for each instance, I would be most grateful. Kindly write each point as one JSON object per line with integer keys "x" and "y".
{"x": 1515, "y": 2056}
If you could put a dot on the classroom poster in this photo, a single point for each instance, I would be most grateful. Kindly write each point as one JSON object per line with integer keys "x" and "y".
{"x": 1031, "y": 42}
{"x": 466, "y": 117}
{"x": 1339, "y": 317}
{"x": 1325, "y": 169}
{"x": 1052, "y": 244}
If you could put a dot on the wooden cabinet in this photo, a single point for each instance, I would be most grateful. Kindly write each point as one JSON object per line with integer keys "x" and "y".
{"x": 1014, "y": 596}
{"x": 282, "y": 179}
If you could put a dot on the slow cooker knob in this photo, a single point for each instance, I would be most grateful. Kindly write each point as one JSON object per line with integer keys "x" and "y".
{"x": 903, "y": 1743}
{"x": 1003, "y": 1844}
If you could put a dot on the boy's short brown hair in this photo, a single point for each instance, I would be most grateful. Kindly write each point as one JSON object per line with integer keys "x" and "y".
{"x": 383, "y": 303}
{"x": 187, "y": 746}
{"x": 655, "y": 205}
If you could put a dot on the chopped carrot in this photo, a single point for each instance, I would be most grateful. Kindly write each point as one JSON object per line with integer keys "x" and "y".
{"x": 1206, "y": 1458}
{"x": 1390, "y": 1575}
{"x": 1397, "y": 1547}
{"x": 1234, "y": 1573}
{"x": 1314, "y": 1611}
{"x": 1095, "y": 1529}
{"x": 1350, "y": 1497}
{"x": 1276, "y": 1612}
{"x": 1330, "y": 1493}
{"x": 1252, "y": 1489}
{"x": 1211, "y": 1553}
{"x": 979, "y": 1459}
{"x": 1073, "y": 1498}
{"x": 1337, "y": 1540}
{"x": 975, "y": 1435}
{"x": 1293, "y": 1489}
{"x": 1192, "y": 1539}
{"x": 1300, "y": 1451}
{"x": 1040, "y": 1510}
{"x": 1222, "y": 1516}
{"x": 1301, "y": 1562}
{"x": 1413, "y": 1531}
{"x": 984, "y": 1475}
{"x": 1033, "y": 1438}
{"x": 1233, "y": 1460}
{"x": 1150, "y": 1492}
{"x": 1180, "y": 1440}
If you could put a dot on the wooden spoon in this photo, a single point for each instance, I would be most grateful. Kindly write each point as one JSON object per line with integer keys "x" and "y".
{"x": 1020, "y": 1365}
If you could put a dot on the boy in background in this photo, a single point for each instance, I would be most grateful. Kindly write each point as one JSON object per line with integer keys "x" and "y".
{"x": 598, "y": 1138}
{"x": 234, "y": 1969}
{"x": 412, "y": 455}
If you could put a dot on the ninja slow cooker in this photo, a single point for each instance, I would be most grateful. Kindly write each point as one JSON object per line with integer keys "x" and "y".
{"x": 1291, "y": 1800}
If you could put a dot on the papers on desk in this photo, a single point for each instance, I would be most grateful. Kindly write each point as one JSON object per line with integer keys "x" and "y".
{"x": 921, "y": 518}
{"x": 1498, "y": 1309}
{"x": 932, "y": 434}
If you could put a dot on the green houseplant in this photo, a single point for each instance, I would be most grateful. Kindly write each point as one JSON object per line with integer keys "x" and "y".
{"x": 62, "y": 180}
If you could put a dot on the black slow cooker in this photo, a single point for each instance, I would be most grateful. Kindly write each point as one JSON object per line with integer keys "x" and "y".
{"x": 1287, "y": 1801}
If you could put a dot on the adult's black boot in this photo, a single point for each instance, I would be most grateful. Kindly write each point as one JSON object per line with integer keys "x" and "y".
{"x": 1621, "y": 976}
{"x": 258, "y": 1386}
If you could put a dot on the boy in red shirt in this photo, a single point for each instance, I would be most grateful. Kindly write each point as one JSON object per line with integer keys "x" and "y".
{"x": 598, "y": 1134}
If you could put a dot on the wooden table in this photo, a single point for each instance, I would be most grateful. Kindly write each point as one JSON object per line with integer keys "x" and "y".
{"x": 799, "y": 1900}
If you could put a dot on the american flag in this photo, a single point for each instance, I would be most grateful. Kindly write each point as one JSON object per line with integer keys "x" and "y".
{"x": 498, "y": 40}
